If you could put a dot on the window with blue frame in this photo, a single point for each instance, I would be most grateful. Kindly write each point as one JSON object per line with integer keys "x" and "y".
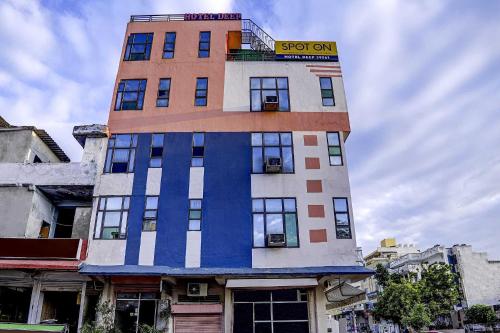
{"x": 326, "y": 86}
{"x": 274, "y": 216}
{"x": 163, "y": 93}
{"x": 156, "y": 153}
{"x": 121, "y": 153}
{"x": 204, "y": 45}
{"x": 265, "y": 145}
{"x": 130, "y": 95}
{"x": 334, "y": 148}
{"x": 194, "y": 217}
{"x": 198, "y": 156}
{"x": 111, "y": 217}
{"x": 150, "y": 213}
{"x": 342, "y": 221}
{"x": 265, "y": 88}
{"x": 201, "y": 93}
{"x": 138, "y": 46}
{"x": 169, "y": 46}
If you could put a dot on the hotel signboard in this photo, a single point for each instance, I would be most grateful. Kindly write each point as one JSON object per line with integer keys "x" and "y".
{"x": 306, "y": 50}
{"x": 212, "y": 17}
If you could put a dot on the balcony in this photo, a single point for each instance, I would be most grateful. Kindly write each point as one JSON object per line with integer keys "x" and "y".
{"x": 49, "y": 254}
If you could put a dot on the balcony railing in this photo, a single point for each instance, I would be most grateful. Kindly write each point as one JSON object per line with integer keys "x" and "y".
{"x": 39, "y": 249}
{"x": 250, "y": 55}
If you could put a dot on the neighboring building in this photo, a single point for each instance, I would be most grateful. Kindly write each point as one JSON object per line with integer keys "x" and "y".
{"x": 478, "y": 279}
{"x": 45, "y": 216}
{"x": 235, "y": 217}
{"x": 388, "y": 251}
{"x": 28, "y": 144}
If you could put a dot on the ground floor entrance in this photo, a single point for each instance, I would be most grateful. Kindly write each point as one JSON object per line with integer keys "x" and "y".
{"x": 270, "y": 311}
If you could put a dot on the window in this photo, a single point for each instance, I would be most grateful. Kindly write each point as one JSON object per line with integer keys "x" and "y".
{"x": 156, "y": 153}
{"x": 163, "y": 93}
{"x": 266, "y": 145}
{"x": 261, "y": 88}
{"x": 278, "y": 311}
{"x": 200, "y": 98}
{"x": 327, "y": 91}
{"x": 204, "y": 45}
{"x": 111, "y": 220}
{"x": 194, "y": 214}
{"x": 342, "y": 225}
{"x": 334, "y": 149}
{"x": 169, "y": 46}
{"x": 198, "y": 149}
{"x": 121, "y": 153}
{"x": 274, "y": 216}
{"x": 150, "y": 213}
{"x": 138, "y": 47}
{"x": 130, "y": 95}
{"x": 134, "y": 310}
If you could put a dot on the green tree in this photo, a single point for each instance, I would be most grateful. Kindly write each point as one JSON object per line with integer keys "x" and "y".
{"x": 480, "y": 314}
{"x": 397, "y": 300}
{"x": 439, "y": 290}
{"x": 382, "y": 275}
{"x": 417, "y": 318}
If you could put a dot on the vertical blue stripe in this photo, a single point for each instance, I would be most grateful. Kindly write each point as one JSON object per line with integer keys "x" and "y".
{"x": 137, "y": 201}
{"x": 226, "y": 232}
{"x": 173, "y": 205}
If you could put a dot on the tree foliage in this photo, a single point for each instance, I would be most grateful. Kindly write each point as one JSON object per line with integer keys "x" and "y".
{"x": 382, "y": 275}
{"x": 416, "y": 304}
{"x": 480, "y": 314}
{"x": 396, "y": 301}
{"x": 439, "y": 290}
{"x": 417, "y": 318}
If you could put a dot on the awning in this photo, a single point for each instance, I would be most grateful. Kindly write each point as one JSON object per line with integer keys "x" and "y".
{"x": 343, "y": 294}
{"x": 358, "y": 271}
{"x": 271, "y": 283}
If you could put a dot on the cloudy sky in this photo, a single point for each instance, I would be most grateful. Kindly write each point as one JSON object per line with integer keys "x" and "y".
{"x": 422, "y": 80}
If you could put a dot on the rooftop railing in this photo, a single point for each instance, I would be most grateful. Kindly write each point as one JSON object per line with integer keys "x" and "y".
{"x": 157, "y": 18}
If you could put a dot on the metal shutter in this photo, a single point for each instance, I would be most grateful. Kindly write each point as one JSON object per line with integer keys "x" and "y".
{"x": 198, "y": 323}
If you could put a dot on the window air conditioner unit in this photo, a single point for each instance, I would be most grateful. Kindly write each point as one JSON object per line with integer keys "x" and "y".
{"x": 276, "y": 240}
{"x": 272, "y": 165}
{"x": 271, "y": 103}
{"x": 197, "y": 289}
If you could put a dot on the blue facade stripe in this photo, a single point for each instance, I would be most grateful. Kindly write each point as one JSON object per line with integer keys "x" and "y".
{"x": 173, "y": 205}
{"x": 137, "y": 201}
{"x": 226, "y": 231}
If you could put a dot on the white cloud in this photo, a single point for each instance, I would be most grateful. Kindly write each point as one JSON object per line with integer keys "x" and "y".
{"x": 421, "y": 79}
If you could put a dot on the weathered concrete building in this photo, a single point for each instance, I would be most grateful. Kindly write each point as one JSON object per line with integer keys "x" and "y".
{"x": 45, "y": 209}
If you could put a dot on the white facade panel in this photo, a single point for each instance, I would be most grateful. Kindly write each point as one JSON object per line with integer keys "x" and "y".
{"x": 335, "y": 182}
{"x": 193, "y": 249}
{"x": 153, "y": 182}
{"x": 147, "y": 248}
{"x": 304, "y": 88}
{"x": 114, "y": 184}
{"x": 196, "y": 176}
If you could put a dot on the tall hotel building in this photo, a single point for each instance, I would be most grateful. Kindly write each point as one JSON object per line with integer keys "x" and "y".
{"x": 224, "y": 201}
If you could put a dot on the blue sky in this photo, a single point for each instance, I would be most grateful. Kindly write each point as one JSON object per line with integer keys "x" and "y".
{"x": 421, "y": 78}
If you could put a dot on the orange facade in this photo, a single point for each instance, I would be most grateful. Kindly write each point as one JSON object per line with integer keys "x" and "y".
{"x": 182, "y": 115}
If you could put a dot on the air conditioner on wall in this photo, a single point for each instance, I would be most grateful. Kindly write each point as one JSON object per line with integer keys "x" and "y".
{"x": 276, "y": 240}
{"x": 271, "y": 103}
{"x": 272, "y": 165}
{"x": 197, "y": 289}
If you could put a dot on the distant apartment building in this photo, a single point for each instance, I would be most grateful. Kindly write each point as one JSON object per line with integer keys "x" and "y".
{"x": 478, "y": 277}
{"x": 388, "y": 251}
{"x": 223, "y": 197}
